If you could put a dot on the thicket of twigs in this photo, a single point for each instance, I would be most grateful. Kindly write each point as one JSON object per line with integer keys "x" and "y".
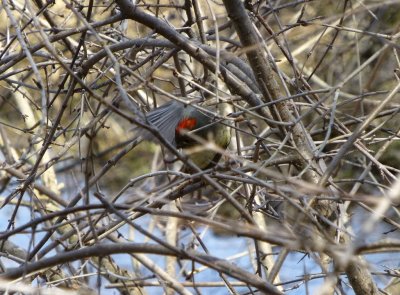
{"x": 311, "y": 169}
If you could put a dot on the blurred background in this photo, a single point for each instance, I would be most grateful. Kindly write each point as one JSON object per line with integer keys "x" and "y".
{"x": 78, "y": 77}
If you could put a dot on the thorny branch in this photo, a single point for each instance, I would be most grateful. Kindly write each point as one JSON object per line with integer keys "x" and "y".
{"x": 311, "y": 173}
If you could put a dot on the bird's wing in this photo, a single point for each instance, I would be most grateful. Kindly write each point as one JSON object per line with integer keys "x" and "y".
{"x": 166, "y": 118}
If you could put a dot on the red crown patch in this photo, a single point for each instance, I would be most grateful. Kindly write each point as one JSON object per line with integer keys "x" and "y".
{"x": 186, "y": 123}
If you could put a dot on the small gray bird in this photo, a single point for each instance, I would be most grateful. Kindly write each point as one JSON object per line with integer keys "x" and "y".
{"x": 180, "y": 124}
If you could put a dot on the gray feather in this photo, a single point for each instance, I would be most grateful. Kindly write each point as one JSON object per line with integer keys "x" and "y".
{"x": 165, "y": 119}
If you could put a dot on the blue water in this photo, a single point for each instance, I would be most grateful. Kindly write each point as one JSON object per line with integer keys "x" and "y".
{"x": 294, "y": 267}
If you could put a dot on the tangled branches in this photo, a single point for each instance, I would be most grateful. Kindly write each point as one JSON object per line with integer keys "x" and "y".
{"x": 309, "y": 91}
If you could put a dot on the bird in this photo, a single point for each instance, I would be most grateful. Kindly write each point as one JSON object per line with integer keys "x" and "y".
{"x": 182, "y": 125}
